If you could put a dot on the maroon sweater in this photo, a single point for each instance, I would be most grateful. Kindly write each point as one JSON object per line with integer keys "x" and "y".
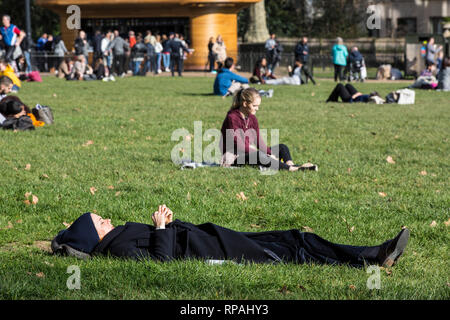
{"x": 246, "y": 133}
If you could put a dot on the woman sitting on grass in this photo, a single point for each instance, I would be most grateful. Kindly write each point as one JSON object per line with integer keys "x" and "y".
{"x": 261, "y": 73}
{"x": 349, "y": 94}
{"x": 241, "y": 141}
{"x": 167, "y": 240}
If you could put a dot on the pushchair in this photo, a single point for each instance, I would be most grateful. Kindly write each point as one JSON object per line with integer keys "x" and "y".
{"x": 357, "y": 70}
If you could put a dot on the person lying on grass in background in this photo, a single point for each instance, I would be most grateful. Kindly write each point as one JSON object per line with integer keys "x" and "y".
{"x": 17, "y": 114}
{"x": 349, "y": 94}
{"x": 167, "y": 240}
{"x": 227, "y": 82}
{"x": 242, "y": 143}
{"x": 295, "y": 76}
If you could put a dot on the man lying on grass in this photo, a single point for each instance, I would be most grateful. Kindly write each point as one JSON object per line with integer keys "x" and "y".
{"x": 90, "y": 234}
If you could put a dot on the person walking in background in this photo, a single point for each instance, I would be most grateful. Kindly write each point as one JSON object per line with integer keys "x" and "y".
{"x": 270, "y": 47}
{"x": 166, "y": 53}
{"x": 340, "y": 54}
{"x": 432, "y": 50}
{"x": 220, "y": 50}
{"x": 212, "y": 56}
{"x": 60, "y": 51}
{"x": 302, "y": 55}
{"x": 177, "y": 48}
{"x": 118, "y": 46}
{"x": 12, "y": 37}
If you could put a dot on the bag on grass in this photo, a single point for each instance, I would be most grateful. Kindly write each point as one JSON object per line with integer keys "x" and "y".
{"x": 406, "y": 96}
{"x": 43, "y": 113}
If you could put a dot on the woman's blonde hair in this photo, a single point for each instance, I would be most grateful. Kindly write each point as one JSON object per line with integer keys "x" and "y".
{"x": 244, "y": 95}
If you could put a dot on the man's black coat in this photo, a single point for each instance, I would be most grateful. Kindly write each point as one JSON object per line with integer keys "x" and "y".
{"x": 182, "y": 240}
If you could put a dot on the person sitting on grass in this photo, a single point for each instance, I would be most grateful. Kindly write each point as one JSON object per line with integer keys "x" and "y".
{"x": 227, "y": 82}
{"x": 65, "y": 68}
{"x": 168, "y": 240}
{"x": 349, "y": 94}
{"x": 242, "y": 143}
{"x": 261, "y": 73}
{"x": 7, "y": 70}
{"x": 295, "y": 76}
{"x": 6, "y": 85}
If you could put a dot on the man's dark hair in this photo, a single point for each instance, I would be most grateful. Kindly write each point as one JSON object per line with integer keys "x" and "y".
{"x": 5, "y": 81}
{"x": 228, "y": 62}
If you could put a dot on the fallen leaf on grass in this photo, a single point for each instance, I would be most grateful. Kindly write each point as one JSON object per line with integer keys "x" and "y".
{"x": 45, "y": 176}
{"x": 111, "y": 187}
{"x": 307, "y": 229}
{"x": 284, "y": 290}
{"x": 40, "y": 275}
{"x": 28, "y": 167}
{"x": 352, "y": 115}
{"x": 423, "y": 173}
{"x": 241, "y": 196}
{"x": 88, "y": 143}
{"x": 117, "y": 193}
{"x": 316, "y": 201}
{"x": 9, "y": 226}
{"x": 351, "y": 229}
{"x": 19, "y": 221}
{"x": 433, "y": 224}
{"x": 390, "y": 160}
{"x": 255, "y": 226}
{"x": 447, "y": 223}
{"x": 188, "y": 196}
{"x": 349, "y": 170}
{"x": 34, "y": 199}
{"x": 382, "y": 194}
{"x": 148, "y": 138}
{"x": 92, "y": 190}
{"x": 352, "y": 287}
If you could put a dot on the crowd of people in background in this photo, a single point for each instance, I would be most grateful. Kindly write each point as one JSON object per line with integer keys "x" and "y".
{"x": 113, "y": 55}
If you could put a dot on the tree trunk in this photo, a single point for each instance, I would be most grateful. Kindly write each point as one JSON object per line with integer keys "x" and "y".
{"x": 257, "y": 29}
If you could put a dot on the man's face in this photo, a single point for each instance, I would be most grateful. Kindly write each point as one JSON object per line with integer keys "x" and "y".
{"x": 6, "y": 21}
{"x": 6, "y": 89}
{"x": 103, "y": 226}
{"x": 305, "y": 40}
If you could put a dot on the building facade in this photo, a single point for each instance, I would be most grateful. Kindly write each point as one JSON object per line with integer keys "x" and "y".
{"x": 407, "y": 17}
{"x": 197, "y": 20}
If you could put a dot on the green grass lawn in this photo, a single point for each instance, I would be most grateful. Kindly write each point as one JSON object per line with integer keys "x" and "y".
{"x": 130, "y": 123}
